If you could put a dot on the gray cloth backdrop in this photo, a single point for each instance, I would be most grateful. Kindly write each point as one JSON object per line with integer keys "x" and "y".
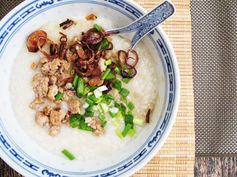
{"x": 214, "y": 47}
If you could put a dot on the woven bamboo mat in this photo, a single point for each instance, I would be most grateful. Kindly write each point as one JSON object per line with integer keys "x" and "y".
{"x": 176, "y": 158}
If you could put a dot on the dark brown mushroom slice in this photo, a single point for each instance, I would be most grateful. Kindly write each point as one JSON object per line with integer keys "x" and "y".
{"x": 92, "y": 37}
{"x": 33, "y": 40}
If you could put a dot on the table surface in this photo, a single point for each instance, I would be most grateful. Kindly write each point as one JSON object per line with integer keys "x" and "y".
{"x": 176, "y": 158}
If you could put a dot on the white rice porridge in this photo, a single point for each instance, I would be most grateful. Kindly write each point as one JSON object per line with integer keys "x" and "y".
{"x": 84, "y": 145}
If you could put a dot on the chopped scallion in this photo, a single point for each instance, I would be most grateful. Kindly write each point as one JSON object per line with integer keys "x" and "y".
{"x": 104, "y": 107}
{"x": 132, "y": 132}
{"x": 119, "y": 133}
{"x": 117, "y": 84}
{"x": 108, "y": 62}
{"x": 84, "y": 126}
{"x": 108, "y": 98}
{"x": 75, "y": 82}
{"x": 128, "y": 118}
{"x": 124, "y": 92}
{"x": 117, "y": 70}
{"x": 107, "y": 75}
{"x": 131, "y": 106}
{"x": 80, "y": 87}
{"x": 86, "y": 91}
{"x": 112, "y": 114}
{"x": 59, "y": 96}
{"x": 104, "y": 44}
{"x": 139, "y": 122}
{"x": 97, "y": 93}
{"x": 103, "y": 120}
{"x": 126, "y": 80}
{"x": 75, "y": 120}
{"x": 110, "y": 76}
{"x": 68, "y": 154}
{"x": 89, "y": 114}
{"x": 97, "y": 27}
{"x": 92, "y": 100}
{"x": 127, "y": 128}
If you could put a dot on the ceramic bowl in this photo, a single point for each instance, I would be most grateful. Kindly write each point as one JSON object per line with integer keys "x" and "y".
{"x": 21, "y": 152}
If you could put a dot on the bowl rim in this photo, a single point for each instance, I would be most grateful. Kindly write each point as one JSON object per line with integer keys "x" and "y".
{"x": 166, "y": 133}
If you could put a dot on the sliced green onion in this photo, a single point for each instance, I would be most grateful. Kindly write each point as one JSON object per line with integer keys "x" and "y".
{"x": 124, "y": 92}
{"x": 127, "y": 128}
{"x": 132, "y": 132}
{"x": 59, "y": 96}
{"x": 102, "y": 88}
{"x": 92, "y": 97}
{"x": 112, "y": 114}
{"x": 89, "y": 114}
{"x": 97, "y": 93}
{"x": 119, "y": 116}
{"x": 126, "y": 80}
{"x": 97, "y": 27}
{"x": 104, "y": 44}
{"x": 85, "y": 105}
{"x": 90, "y": 108}
{"x": 84, "y": 126}
{"x": 117, "y": 123}
{"x": 117, "y": 70}
{"x": 86, "y": 90}
{"x": 104, "y": 107}
{"x": 119, "y": 133}
{"x": 75, "y": 82}
{"x": 68, "y": 154}
{"x": 108, "y": 62}
{"x": 124, "y": 99}
{"x": 110, "y": 76}
{"x": 80, "y": 87}
{"x": 102, "y": 119}
{"x": 117, "y": 84}
{"x": 93, "y": 88}
{"x": 89, "y": 101}
{"x": 99, "y": 100}
{"x": 121, "y": 107}
{"x": 131, "y": 106}
{"x": 128, "y": 118}
{"x": 75, "y": 120}
{"x": 108, "y": 98}
{"x": 139, "y": 122}
{"x": 106, "y": 73}
{"x": 114, "y": 110}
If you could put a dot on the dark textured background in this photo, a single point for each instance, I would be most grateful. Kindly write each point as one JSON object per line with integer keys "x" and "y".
{"x": 214, "y": 50}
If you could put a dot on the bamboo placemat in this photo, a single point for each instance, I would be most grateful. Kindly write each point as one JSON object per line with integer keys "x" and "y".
{"x": 176, "y": 158}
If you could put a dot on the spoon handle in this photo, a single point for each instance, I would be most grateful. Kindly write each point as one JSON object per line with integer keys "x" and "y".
{"x": 147, "y": 22}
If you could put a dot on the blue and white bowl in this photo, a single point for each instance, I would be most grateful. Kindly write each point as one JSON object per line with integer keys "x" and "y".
{"x": 24, "y": 155}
